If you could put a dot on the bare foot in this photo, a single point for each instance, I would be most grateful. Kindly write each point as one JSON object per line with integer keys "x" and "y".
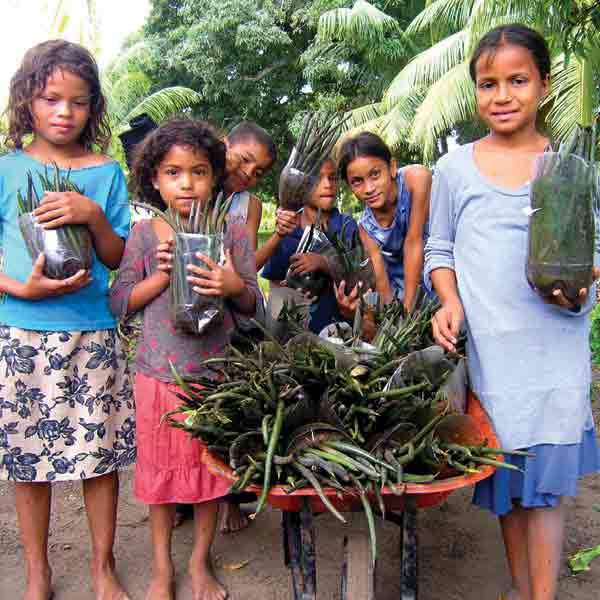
{"x": 183, "y": 513}
{"x": 233, "y": 518}
{"x": 205, "y": 586}
{"x": 162, "y": 587}
{"x": 106, "y": 585}
{"x": 39, "y": 585}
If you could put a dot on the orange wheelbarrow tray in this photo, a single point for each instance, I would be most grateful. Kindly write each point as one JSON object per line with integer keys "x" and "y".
{"x": 358, "y": 571}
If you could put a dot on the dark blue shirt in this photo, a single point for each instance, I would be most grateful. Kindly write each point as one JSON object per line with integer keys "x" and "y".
{"x": 325, "y": 310}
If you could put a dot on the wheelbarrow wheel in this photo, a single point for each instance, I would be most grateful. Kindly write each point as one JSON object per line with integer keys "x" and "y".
{"x": 358, "y": 572}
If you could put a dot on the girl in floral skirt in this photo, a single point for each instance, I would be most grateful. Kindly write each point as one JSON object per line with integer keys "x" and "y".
{"x": 175, "y": 166}
{"x": 66, "y": 407}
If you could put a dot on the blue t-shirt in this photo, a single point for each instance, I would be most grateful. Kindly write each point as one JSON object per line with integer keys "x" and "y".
{"x": 86, "y": 309}
{"x": 325, "y": 310}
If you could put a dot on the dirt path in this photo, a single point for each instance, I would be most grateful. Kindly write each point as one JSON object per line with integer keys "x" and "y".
{"x": 460, "y": 551}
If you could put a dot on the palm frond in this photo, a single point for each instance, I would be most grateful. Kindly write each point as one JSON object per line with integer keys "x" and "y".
{"x": 449, "y": 15}
{"x": 363, "y": 23}
{"x": 358, "y": 117}
{"x": 566, "y": 95}
{"x": 125, "y": 93}
{"x": 449, "y": 101}
{"x": 126, "y": 57}
{"x": 487, "y": 14}
{"x": 395, "y": 125}
{"x": 164, "y": 103}
{"x": 428, "y": 66}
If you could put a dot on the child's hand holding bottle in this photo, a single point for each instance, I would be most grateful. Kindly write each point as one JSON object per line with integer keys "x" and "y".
{"x": 164, "y": 256}
{"x": 216, "y": 280}
{"x": 67, "y": 208}
{"x": 308, "y": 262}
{"x": 38, "y": 286}
{"x": 285, "y": 222}
{"x": 559, "y": 299}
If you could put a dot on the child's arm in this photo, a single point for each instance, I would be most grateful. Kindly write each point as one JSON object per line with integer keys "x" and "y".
{"x": 131, "y": 291}
{"x": 447, "y": 321}
{"x": 285, "y": 223}
{"x": 418, "y": 181}
{"x": 38, "y": 286}
{"x": 382, "y": 282}
{"x": 253, "y": 220}
{"x": 439, "y": 265}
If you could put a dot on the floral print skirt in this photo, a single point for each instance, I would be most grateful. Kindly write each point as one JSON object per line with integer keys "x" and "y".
{"x": 66, "y": 405}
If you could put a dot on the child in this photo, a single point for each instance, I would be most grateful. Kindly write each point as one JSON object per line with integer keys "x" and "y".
{"x": 529, "y": 360}
{"x": 279, "y": 251}
{"x": 175, "y": 165}
{"x": 251, "y": 153}
{"x": 396, "y": 208}
{"x": 68, "y": 409}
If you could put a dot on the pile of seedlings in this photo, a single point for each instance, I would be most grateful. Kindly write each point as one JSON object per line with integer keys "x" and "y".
{"x": 201, "y": 232}
{"x": 352, "y": 418}
{"x": 68, "y": 248}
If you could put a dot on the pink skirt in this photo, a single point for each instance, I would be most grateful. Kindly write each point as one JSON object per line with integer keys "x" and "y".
{"x": 169, "y": 469}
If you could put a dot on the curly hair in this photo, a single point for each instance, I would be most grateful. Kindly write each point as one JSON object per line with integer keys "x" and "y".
{"x": 30, "y": 80}
{"x": 200, "y": 136}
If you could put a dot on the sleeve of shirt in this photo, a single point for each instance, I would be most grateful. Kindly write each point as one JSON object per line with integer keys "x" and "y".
{"x": 439, "y": 250}
{"x": 275, "y": 269}
{"x": 117, "y": 206}
{"x": 131, "y": 272}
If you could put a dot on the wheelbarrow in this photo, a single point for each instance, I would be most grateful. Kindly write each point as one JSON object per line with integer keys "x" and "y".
{"x": 300, "y": 508}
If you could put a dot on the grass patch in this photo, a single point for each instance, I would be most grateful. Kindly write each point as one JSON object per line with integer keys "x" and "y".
{"x": 595, "y": 335}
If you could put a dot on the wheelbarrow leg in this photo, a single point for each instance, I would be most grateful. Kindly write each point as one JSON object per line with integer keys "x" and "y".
{"x": 309, "y": 563}
{"x": 292, "y": 547}
{"x": 408, "y": 552}
{"x": 358, "y": 570}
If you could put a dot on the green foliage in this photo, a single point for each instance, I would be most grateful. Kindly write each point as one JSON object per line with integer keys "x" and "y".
{"x": 260, "y": 60}
{"x": 433, "y": 93}
{"x": 595, "y": 335}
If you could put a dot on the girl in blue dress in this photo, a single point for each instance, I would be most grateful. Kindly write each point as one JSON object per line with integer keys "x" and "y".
{"x": 529, "y": 360}
{"x": 66, "y": 407}
{"x": 396, "y": 210}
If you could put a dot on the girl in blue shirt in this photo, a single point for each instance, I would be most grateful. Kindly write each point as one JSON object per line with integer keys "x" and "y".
{"x": 396, "y": 211}
{"x": 529, "y": 360}
{"x": 67, "y": 410}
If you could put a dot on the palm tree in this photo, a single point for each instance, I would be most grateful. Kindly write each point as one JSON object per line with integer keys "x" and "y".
{"x": 433, "y": 93}
{"x": 129, "y": 92}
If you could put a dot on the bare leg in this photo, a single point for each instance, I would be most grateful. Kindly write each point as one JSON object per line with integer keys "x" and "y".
{"x": 101, "y": 496}
{"x": 204, "y": 584}
{"x": 33, "y": 511}
{"x": 545, "y": 534}
{"x": 514, "y": 531}
{"x": 233, "y": 518}
{"x": 162, "y": 519}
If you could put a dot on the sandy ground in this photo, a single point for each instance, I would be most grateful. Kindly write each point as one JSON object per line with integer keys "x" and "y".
{"x": 460, "y": 551}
